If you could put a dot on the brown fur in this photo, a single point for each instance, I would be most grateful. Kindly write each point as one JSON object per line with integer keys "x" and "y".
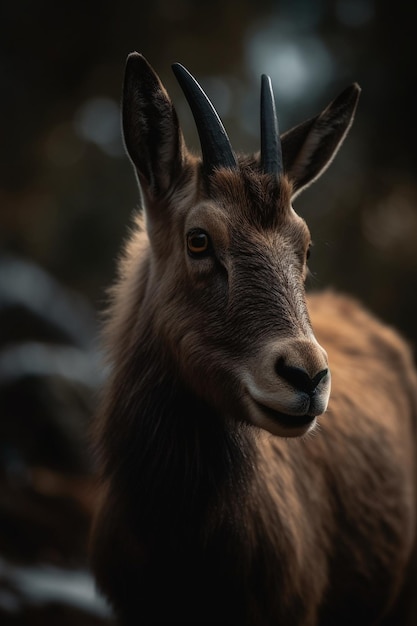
{"x": 208, "y": 512}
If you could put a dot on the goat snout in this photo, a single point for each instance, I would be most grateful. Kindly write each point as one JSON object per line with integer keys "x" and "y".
{"x": 288, "y": 386}
{"x": 299, "y": 378}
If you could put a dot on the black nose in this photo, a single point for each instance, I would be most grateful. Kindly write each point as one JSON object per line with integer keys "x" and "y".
{"x": 299, "y": 378}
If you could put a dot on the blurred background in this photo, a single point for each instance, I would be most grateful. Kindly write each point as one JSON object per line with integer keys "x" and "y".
{"x": 67, "y": 192}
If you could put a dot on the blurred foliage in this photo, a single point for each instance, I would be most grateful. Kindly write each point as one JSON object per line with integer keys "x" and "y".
{"x": 67, "y": 192}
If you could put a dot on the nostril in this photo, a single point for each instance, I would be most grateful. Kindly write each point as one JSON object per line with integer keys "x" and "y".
{"x": 298, "y": 377}
{"x": 319, "y": 377}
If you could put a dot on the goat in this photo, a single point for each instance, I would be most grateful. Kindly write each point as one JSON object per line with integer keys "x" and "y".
{"x": 222, "y": 501}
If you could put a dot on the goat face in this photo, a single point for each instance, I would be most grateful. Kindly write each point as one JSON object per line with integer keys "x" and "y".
{"x": 227, "y": 254}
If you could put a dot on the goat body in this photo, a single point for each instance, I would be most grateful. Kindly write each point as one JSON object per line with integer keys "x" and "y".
{"x": 222, "y": 500}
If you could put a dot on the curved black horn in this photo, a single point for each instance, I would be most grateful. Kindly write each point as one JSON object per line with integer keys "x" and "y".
{"x": 215, "y": 144}
{"x": 271, "y": 153}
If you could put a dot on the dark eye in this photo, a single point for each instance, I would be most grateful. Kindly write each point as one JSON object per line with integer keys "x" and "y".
{"x": 198, "y": 243}
{"x": 308, "y": 253}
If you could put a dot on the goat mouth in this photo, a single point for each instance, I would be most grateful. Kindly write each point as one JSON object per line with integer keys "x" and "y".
{"x": 288, "y": 421}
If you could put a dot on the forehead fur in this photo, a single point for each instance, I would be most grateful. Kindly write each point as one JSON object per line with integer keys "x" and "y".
{"x": 261, "y": 198}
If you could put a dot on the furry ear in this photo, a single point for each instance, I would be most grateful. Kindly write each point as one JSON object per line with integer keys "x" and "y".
{"x": 152, "y": 136}
{"x": 309, "y": 148}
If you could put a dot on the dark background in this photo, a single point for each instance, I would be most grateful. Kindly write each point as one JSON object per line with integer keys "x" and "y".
{"x": 67, "y": 192}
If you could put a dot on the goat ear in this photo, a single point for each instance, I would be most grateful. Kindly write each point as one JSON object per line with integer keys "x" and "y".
{"x": 309, "y": 148}
{"x": 151, "y": 132}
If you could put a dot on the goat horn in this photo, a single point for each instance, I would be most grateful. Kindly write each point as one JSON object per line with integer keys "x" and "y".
{"x": 215, "y": 144}
{"x": 271, "y": 153}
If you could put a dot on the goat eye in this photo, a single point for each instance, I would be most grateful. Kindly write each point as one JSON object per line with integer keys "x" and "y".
{"x": 308, "y": 253}
{"x": 198, "y": 242}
